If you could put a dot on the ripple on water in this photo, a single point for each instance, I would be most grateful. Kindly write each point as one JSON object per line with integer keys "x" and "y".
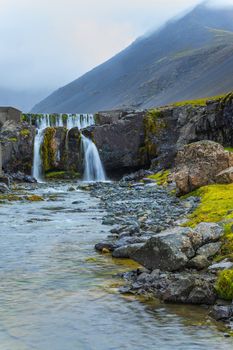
{"x": 57, "y": 293}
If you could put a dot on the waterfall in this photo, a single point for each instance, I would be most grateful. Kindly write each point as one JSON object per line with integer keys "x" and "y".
{"x": 41, "y": 124}
{"x": 94, "y": 170}
{"x": 44, "y": 121}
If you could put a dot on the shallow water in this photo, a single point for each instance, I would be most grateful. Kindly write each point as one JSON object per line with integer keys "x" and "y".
{"x": 57, "y": 293}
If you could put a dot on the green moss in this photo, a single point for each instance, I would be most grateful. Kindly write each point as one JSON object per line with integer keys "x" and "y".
{"x": 34, "y": 198}
{"x": 25, "y": 132}
{"x": 224, "y": 285}
{"x": 153, "y": 125}
{"x": 216, "y": 206}
{"x": 56, "y": 175}
{"x": 12, "y": 139}
{"x": 161, "y": 177}
{"x": 10, "y": 197}
{"x": 229, "y": 149}
{"x": 48, "y": 149}
{"x": 197, "y": 102}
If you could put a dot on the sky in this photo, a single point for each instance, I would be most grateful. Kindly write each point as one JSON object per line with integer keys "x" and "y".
{"x": 45, "y": 44}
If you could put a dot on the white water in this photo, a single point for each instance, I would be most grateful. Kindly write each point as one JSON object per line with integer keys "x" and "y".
{"x": 45, "y": 121}
{"x": 94, "y": 170}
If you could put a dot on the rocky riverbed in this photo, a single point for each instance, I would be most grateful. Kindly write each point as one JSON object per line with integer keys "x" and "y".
{"x": 177, "y": 262}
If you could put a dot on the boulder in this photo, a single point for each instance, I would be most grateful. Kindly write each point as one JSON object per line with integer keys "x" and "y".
{"x": 127, "y": 251}
{"x": 201, "y": 163}
{"x": 176, "y": 248}
{"x": 168, "y": 251}
{"x": 221, "y": 312}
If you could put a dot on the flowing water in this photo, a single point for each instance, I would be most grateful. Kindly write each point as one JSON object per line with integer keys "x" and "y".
{"x": 94, "y": 170}
{"x": 57, "y": 293}
{"x": 48, "y": 120}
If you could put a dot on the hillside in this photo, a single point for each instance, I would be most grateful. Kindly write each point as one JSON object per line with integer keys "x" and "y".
{"x": 188, "y": 58}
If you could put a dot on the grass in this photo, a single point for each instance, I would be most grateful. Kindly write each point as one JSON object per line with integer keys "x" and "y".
{"x": 161, "y": 177}
{"x": 224, "y": 285}
{"x": 197, "y": 102}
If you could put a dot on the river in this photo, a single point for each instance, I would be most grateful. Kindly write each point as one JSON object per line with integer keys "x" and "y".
{"x": 57, "y": 293}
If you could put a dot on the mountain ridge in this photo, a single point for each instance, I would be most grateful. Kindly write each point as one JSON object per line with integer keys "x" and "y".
{"x": 187, "y": 58}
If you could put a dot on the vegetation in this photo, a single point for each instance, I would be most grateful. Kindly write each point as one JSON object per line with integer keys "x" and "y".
{"x": 229, "y": 149}
{"x": 216, "y": 206}
{"x": 48, "y": 149}
{"x": 34, "y": 198}
{"x": 161, "y": 177}
{"x": 153, "y": 125}
{"x": 25, "y": 132}
{"x": 197, "y": 102}
{"x": 56, "y": 175}
{"x": 224, "y": 284}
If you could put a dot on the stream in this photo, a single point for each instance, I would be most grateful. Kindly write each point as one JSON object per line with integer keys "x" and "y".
{"x": 57, "y": 293}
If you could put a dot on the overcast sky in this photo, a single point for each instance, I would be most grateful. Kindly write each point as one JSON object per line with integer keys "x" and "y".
{"x": 45, "y": 44}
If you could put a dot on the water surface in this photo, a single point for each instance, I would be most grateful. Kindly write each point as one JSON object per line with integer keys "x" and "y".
{"x": 57, "y": 293}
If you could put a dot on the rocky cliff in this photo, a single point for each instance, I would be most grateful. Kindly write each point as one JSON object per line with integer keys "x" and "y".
{"x": 127, "y": 140}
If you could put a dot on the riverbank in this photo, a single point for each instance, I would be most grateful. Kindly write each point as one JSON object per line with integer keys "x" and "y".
{"x": 179, "y": 263}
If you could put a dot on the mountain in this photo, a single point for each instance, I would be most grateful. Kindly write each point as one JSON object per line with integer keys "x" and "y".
{"x": 188, "y": 58}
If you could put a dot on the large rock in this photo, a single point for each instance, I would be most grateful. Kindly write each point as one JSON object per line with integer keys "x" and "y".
{"x": 173, "y": 249}
{"x": 200, "y": 164}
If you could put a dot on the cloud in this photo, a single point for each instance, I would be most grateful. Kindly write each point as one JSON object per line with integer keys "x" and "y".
{"x": 46, "y": 44}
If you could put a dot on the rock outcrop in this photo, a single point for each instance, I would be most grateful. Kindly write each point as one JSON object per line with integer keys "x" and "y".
{"x": 202, "y": 163}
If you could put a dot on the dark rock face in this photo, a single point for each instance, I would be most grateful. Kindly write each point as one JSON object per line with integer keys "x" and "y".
{"x": 17, "y": 147}
{"x": 120, "y": 142}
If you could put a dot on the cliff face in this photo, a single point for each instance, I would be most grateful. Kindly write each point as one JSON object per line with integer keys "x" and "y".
{"x": 187, "y": 58}
{"x": 127, "y": 140}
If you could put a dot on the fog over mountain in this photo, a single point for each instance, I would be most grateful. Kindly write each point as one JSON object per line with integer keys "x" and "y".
{"x": 189, "y": 57}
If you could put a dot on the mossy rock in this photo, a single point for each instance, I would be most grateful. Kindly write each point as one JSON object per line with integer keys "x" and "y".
{"x": 224, "y": 285}
{"x": 161, "y": 177}
{"x": 34, "y": 198}
{"x": 25, "y": 132}
{"x": 216, "y": 205}
{"x": 48, "y": 149}
{"x": 62, "y": 175}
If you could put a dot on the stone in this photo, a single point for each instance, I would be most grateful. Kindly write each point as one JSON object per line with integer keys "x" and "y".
{"x": 221, "y": 312}
{"x": 168, "y": 251}
{"x": 223, "y": 265}
{"x": 105, "y": 245}
{"x": 199, "y": 164}
{"x": 5, "y": 179}
{"x": 210, "y": 232}
{"x": 3, "y": 188}
{"x": 209, "y": 250}
{"x": 199, "y": 262}
{"x": 126, "y": 252}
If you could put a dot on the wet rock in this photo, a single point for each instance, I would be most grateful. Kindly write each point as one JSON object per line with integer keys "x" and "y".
{"x": 3, "y": 187}
{"x": 125, "y": 252}
{"x": 5, "y": 179}
{"x": 221, "y": 312}
{"x": 105, "y": 245}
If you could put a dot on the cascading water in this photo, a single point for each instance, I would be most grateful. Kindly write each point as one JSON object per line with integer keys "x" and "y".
{"x": 94, "y": 170}
{"x": 42, "y": 122}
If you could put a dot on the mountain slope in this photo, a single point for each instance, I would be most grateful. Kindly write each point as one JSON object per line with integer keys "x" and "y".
{"x": 188, "y": 58}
